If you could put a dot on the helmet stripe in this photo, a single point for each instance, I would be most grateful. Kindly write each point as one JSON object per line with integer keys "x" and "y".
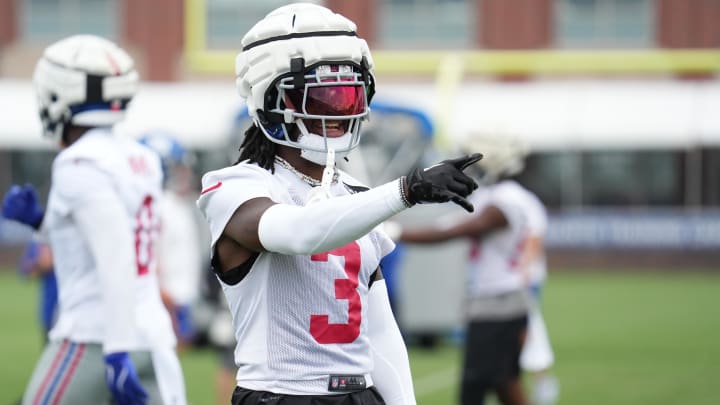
{"x": 299, "y": 35}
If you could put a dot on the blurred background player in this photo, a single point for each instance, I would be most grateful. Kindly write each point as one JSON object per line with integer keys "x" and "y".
{"x": 113, "y": 337}
{"x": 506, "y": 232}
{"x": 180, "y": 253}
{"x": 537, "y": 357}
{"x": 199, "y": 311}
{"x": 181, "y": 256}
{"x": 297, "y": 245}
{"x": 505, "y": 158}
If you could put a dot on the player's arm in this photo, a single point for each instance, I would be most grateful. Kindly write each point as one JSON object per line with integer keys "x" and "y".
{"x": 476, "y": 226}
{"x": 391, "y": 374}
{"x": 44, "y": 263}
{"x": 104, "y": 224}
{"x": 259, "y": 224}
{"x": 321, "y": 226}
{"x": 328, "y": 224}
{"x": 533, "y": 248}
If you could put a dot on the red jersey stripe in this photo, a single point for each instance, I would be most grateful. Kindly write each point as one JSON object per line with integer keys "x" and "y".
{"x": 211, "y": 188}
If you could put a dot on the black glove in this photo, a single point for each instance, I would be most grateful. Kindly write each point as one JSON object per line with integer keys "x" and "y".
{"x": 443, "y": 182}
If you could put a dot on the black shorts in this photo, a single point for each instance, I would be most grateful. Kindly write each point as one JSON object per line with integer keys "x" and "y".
{"x": 368, "y": 396}
{"x": 492, "y": 352}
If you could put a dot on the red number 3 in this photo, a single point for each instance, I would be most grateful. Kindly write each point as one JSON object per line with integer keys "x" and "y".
{"x": 345, "y": 288}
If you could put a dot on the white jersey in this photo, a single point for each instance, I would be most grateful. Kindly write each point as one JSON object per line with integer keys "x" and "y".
{"x": 179, "y": 250}
{"x": 297, "y": 319}
{"x": 494, "y": 259}
{"x": 133, "y": 172}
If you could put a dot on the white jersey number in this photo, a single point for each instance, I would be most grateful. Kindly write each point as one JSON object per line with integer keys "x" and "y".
{"x": 345, "y": 288}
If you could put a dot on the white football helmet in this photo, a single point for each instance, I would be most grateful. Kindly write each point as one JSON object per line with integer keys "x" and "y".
{"x": 83, "y": 80}
{"x": 503, "y": 155}
{"x": 304, "y": 65}
{"x": 176, "y": 160}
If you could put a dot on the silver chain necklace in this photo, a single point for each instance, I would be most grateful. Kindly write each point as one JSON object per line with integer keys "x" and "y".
{"x": 304, "y": 177}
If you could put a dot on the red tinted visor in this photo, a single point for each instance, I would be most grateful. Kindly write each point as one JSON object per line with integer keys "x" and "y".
{"x": 334, "y": 101}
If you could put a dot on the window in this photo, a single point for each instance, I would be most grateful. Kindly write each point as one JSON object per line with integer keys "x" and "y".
{"x": 50, "y": 20}
{"x": 710, "y": 162}
{"x": 553, "y": 177}
{"x": 604, "y": 23}
{"x": 422, "y": 24}
{"x": 229, "y": 20}
{"x": 633, "y": 178}
{"x": 608, "y": 178}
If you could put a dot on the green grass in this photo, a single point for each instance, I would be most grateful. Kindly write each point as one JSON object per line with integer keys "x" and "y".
{"x": 620, "y": 338}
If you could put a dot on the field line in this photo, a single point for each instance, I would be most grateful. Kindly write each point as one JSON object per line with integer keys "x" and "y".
{"x": 436, "y": 381}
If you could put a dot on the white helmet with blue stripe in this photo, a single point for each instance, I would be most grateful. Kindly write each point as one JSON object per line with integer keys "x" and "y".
{"x": 83, "y": 80}
{"x": 172, "y": 153}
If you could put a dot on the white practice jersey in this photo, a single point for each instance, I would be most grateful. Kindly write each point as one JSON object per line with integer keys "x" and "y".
{"x": 297, "y": 319}
{"x": 494, "y": 259}
{"x": 179, "y": 250}
{"x": 108, "y": 162}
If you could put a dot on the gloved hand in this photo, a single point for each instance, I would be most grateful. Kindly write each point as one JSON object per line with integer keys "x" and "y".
{"x": 443, "y": 182}
{"x": 123, "y": 381}
{"x": 21, "y": 204}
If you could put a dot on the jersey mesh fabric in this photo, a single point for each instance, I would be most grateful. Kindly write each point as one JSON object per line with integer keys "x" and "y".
{"x": 273, "y": 306}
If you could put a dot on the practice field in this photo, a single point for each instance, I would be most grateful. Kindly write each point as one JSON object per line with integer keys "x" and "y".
{"x": 620, "y": 338}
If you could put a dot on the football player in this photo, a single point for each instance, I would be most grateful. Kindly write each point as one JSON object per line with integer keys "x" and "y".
{"x": 113, "y": 338}
{"x": 296, "y": 243}
{"x": 180, "y": 250}
{"x": 507, "y": 253}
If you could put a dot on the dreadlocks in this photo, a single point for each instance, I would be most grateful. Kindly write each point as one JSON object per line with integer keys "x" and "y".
{"x": 258, "y": 149}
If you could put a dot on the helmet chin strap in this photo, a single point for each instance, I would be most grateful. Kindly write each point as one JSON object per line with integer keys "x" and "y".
{"x": 317, "y": 148}
{"x": 323, "y": 192}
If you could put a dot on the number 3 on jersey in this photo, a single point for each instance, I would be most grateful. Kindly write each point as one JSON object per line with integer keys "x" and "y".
{"x": 345, "y": 288}
{"x": 144, "y": 239}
